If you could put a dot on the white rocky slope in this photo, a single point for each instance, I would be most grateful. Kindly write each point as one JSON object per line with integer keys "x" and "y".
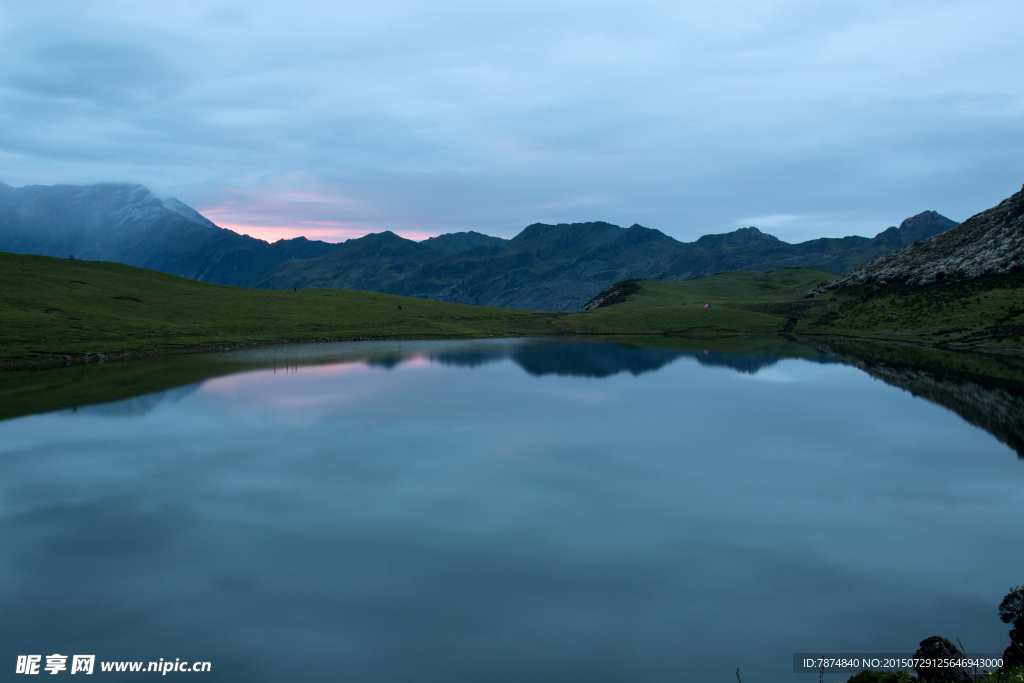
{"x": 990, "y": 242}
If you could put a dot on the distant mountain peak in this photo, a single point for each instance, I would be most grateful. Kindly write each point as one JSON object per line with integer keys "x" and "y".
{"x": 750, "y": 234}
{"x": 636, "y": 227}
{"x": 128, "y": 224}
{"x": 186, "y": 211}
{"x": 923, "y": 217}
{"x": 544, "y": 267}
{"x": 924, "y": 225}
{"x": 535, "y": 230}
{"x": 990, "y": 242}
{"x": 458, "y": 242}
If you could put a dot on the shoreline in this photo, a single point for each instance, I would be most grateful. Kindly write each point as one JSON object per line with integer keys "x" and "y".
{"x": 64, "y": 360}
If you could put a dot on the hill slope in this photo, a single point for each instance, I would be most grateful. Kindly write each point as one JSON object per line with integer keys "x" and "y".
{"x": 726, "y": 303}
{"x": 58, "y": 306}
{"x": 373, "y": 263}
{"x": 985, "y": 313}
{"x": 988, "y": 243}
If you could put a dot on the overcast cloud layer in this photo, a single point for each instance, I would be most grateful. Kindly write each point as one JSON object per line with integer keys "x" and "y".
{"x": 802, "y": 117}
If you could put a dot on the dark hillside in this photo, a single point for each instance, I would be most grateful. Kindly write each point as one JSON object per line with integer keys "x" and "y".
{"x": 545, "y": 267}
{"x": 455, "y": 242}
{"x": 129, "y": 224}
{"x": 373, "y": 263}
{"x": 561, "y": 267}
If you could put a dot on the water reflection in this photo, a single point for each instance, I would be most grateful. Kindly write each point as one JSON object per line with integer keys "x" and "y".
{"x": 604, "y": 359}
{"x": 987, "y": 391}
{"x": 506, "y": 510}
{"x": 139, "y": 405}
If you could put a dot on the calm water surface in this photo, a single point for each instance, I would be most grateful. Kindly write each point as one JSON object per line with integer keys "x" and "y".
{"x": 505, "y": 511}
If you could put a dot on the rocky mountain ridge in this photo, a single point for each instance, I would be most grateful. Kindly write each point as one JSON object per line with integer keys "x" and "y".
{"x": 562, "y": 267}
{"x": 988, "y": 243}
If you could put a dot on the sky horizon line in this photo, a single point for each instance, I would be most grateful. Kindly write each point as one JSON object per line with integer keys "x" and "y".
{"x": 803, "y": 118}
{"x": 327, "y": 230}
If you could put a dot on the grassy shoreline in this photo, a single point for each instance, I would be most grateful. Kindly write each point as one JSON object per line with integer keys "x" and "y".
{"x": 984, "y": 315}
{"x": 59, "y": 311}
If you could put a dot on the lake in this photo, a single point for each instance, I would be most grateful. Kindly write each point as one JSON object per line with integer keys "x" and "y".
{"x": 504, "y": 510}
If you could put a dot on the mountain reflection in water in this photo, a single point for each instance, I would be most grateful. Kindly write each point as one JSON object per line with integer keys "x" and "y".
{"x": 604, "y": 359}
{"x": 650, "y": 509}
{"x": 984, "y": 390}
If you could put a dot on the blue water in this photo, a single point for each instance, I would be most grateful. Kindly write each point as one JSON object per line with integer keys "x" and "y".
{"x": 505, "y": 511}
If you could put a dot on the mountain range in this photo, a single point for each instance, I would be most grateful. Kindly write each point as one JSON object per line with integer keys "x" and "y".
{"x": 544, "y": 267}
{"x": 561, "y": 267}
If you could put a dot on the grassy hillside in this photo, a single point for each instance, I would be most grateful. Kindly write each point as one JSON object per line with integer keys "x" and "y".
{"x": 982, "y": 314}
{"x": 57, "y": 306}
{"x": 679, "y": 307}
{"x": 986, "y": 313}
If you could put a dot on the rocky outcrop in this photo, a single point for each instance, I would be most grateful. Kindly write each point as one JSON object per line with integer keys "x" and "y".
{"x": 988, "y": 243}
{"x": 615, "y": 294}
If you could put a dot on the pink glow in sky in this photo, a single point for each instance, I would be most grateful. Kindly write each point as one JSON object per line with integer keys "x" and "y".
{"x": 285, "y": 214}
{"x": 272, "y": 233}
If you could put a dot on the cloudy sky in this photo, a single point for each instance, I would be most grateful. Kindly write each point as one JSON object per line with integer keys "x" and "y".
{"x": 334, "y": 119}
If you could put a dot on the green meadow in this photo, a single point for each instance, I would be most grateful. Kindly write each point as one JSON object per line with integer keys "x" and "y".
{"x": 60, "y": 307}
{"x": 981, "y": 315}
{"x": 985, "y": 314}
{"x": 55, "y": 307}
{"x": 679, "y": 307}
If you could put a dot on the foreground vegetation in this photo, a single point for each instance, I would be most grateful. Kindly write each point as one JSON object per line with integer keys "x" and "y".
{"x": 55, "y": 308}
{"x": 937, "y": 648}
{"x": 59, "y": 307}
{"x": 983, "y": 314}
{"x": 680, "y": 307}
